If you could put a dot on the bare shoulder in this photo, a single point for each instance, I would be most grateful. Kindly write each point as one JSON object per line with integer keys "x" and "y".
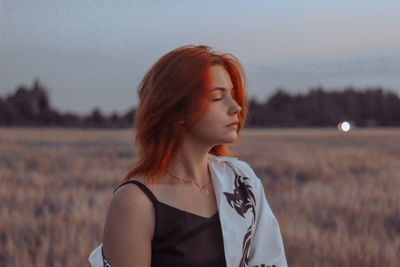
{"x": 129, "y": 228}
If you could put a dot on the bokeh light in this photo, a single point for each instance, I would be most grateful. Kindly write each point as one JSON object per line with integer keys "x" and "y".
{"x": 344, "y": 126}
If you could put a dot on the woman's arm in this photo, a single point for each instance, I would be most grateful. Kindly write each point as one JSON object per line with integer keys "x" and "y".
{"x": 129, "y": 228}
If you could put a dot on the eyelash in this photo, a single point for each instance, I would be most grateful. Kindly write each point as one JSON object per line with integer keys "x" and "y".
{"x": 218, "y": 99}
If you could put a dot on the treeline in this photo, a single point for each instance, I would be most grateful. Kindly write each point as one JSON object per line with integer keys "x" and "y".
{"x": 370, "y": 107}
{"x": 31, "y": 107}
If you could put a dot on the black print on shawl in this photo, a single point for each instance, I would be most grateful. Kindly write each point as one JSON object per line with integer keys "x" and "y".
{"x": 263, "y": 265}
{"x": 242, "y": 199}
{"x": 105, "y": 262}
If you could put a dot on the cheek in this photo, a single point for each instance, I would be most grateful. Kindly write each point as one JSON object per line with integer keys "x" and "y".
{"x": 208, "y": 124}
{"x": 212, "y": 118}
{"x": 204, "y": 124}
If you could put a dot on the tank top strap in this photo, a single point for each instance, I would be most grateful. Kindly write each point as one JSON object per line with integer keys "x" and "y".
{"x": 141, "y": 186}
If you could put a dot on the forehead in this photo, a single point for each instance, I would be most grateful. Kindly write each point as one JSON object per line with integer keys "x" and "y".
{"x": 220, "y": 77}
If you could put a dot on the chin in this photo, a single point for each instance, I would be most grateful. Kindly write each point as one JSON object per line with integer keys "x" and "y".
{"x": 230, "y": 139}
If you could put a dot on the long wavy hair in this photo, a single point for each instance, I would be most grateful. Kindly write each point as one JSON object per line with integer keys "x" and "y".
{"x": 178, "y": 88}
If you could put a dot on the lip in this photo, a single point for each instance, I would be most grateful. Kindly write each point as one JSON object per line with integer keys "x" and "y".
{"x": 233, "y": 123}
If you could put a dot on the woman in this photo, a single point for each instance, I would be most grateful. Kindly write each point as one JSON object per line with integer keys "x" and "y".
{"x": 187, "y": 201}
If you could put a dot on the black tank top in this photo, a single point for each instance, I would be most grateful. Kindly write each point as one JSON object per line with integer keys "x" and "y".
{"x": 182, "y": 238}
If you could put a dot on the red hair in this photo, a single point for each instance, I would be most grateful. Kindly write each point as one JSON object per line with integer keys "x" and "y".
{"x": 178, "y": 88}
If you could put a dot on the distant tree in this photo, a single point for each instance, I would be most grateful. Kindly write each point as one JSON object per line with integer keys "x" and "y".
{"x": 129, "y": 117}
{"x": 280, "y": 101}
{"x": 42, "y": 96}
{"x": 3, "y": 113}
{"x": 114, "y": 117}
{"x": 71, "y": 120}
{"x": 95, "y": 119}
{"x": 115, "y": 121}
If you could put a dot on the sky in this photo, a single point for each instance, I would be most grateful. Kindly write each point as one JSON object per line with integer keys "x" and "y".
{"x": 94, "y": 53}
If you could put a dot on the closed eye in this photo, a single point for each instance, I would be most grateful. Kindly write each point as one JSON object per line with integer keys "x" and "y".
{"x": 233, "y": 94}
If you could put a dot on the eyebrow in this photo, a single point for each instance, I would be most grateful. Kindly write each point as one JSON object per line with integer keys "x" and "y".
{"x": 222, "y": 88}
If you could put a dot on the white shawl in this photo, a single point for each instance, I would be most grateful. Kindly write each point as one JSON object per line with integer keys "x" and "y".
{"x": 250, "y": 230}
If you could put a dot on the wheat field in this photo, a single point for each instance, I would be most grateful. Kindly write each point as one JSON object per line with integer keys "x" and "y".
{"x": 335, "y": 194}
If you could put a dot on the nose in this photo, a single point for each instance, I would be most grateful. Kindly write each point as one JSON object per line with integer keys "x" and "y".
{"x": 235, "y": 107}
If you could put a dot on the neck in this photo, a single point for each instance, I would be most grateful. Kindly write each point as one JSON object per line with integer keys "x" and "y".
{"x": 191, "y": 162}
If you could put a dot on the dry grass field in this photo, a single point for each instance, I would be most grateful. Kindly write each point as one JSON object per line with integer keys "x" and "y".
{"x": 336, "y": 195}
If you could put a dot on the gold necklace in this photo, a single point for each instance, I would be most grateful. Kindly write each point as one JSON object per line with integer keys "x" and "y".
{"x": 203, "y": 188}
